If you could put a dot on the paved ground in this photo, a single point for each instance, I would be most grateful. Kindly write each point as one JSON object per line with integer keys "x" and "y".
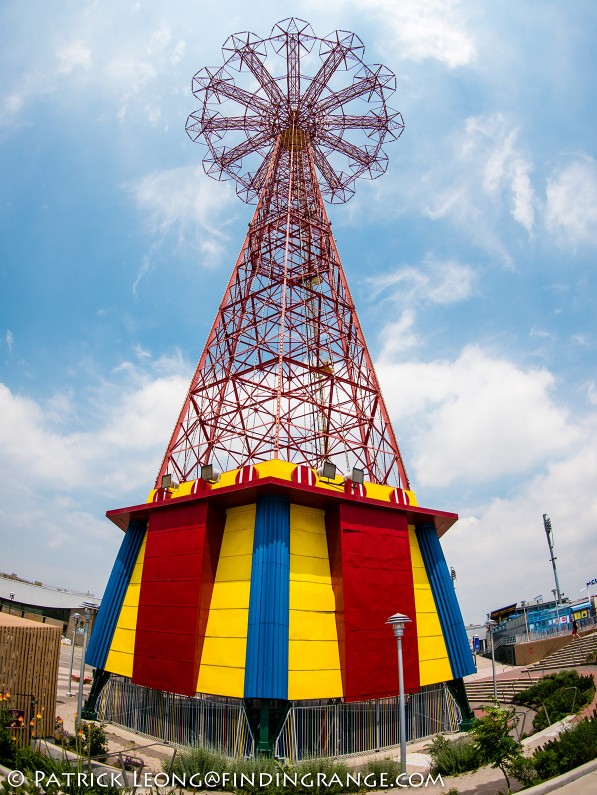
{"x": 119, "y": 740}
{"x": 481, "y": 782}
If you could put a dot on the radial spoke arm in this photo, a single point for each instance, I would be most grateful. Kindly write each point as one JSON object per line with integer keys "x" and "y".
{"x": 240, "y": 151}
{"x": 230, "y": 91}
{"x": 326, "y": 170}
{"x": 222, "y": 124}
{"x": 341, "y": 122}
{"x": 356, "y": 90}
{"x": 329, "y": 66}
{"x": 350, "y": 150}
{"x": 266, "y": 81}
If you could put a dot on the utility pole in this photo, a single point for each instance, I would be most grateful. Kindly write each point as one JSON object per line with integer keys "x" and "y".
{"x": 549, "y": 534}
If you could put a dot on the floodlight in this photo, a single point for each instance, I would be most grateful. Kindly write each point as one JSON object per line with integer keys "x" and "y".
{"x": 167, "y": 482}
{"x": 328, "y": 470}
{"x": 358, "y": 476}
{"x": 209, "y": 474}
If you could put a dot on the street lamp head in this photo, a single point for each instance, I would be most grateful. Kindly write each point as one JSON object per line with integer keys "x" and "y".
{"x": 397, "y": 622}
{"x": 490, "y": 624}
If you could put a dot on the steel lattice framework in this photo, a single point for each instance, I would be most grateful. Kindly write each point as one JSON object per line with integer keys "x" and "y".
{"x": 285, "y": 372}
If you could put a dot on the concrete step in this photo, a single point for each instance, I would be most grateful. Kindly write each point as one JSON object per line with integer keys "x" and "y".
{"x": 574, "y": 653}
{"x": 478, "y": 691}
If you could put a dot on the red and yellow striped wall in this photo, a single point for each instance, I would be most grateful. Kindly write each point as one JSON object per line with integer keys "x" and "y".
{"x": 274, "y": 583}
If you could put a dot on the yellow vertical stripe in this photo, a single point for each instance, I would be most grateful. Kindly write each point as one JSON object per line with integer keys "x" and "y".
{"x": 222, "y": 670}
{"x": 434, "y": 664}
{"x": 122, "y": 649}
{"x": 313, "y": 655}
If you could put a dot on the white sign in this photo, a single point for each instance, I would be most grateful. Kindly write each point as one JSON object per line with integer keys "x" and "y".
{"x": 592, "y": 582}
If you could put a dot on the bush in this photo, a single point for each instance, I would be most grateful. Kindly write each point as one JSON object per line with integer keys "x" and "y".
{"x": 557, "y": 695}
{"x": 198, "y": 761}
{"x": 572, "y": 748}
{"x": 7, "y": 743}
{"x": 452, "y": 757}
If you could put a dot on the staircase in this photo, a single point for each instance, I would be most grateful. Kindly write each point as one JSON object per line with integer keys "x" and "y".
{"x": 481, "y": 691}
{"x": 569, "y": 656}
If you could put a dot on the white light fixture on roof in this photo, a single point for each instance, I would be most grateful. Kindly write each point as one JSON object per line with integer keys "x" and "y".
{"x": 358, "y": 476}
{"x": 209, "y": 474}
{"x": 327, "y": 471}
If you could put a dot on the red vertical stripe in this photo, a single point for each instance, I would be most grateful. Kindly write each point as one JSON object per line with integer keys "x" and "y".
{"x": 372, "y": 579}
{"x": 183, "y": 545}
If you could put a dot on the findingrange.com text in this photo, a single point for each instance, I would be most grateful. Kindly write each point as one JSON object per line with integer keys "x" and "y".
{"x": 215, "y": 780}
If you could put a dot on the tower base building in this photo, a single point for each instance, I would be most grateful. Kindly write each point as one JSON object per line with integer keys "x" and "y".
{"x": 249, "y": 615}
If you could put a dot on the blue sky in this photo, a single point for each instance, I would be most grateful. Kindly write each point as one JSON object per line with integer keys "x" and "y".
{"x": 472, "y": 263}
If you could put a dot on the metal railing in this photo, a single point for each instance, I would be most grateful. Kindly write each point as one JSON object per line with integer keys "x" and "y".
{"x": 357, "y": 727}
{"x": 179, "y": 720}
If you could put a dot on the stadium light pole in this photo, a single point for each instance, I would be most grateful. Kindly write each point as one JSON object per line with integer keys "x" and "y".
{"x": 398, "y": 622}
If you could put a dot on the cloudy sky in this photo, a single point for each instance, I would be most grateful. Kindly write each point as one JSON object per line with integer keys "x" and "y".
{"x": 472, "y": 262}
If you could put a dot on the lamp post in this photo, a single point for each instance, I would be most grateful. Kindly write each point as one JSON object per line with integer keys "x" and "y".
{"x": 489, "y": 627}
{"x": 82, "y": 674}
{"x": 12, "y": 596}
{"x": 76, "y": 617}
{"x": 397, "y": 622}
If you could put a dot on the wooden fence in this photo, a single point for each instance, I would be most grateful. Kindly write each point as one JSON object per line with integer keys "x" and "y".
{"x": 29, "y": 656}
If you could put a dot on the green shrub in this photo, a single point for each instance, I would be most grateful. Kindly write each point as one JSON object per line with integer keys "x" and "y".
{"x": 557, "y": 695}
{"x": 575, "y": 746}
{"x": 452, "y": 757}
{"x": 198, "y": 761}
{"x": 90, "y": 741}
{"x": 7, "y": 743}
{"x": 523, "y": 770}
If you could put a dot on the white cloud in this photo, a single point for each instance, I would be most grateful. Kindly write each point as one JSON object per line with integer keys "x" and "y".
{"x": 76, "y": 55}
{"x": 476, "y": 418}
{"x": 489, "y": 440}
{"x": 571, "y": 210}
{"x": 398, "y": 337}
{"x": 184, "y": 205}
{"x": 183, "y": 199}
{"x": 9, "y": 339}
{"x": 508, "y": 532}
{"x": 62, "y": 479}
{"x": 432, "y": 281}
{"x": 436, "y": 29}
{"x": 117, "y": 453}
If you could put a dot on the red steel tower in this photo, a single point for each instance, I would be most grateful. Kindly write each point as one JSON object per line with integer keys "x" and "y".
{"x": 285, "y": 372}
{"x": 247, "y": 609}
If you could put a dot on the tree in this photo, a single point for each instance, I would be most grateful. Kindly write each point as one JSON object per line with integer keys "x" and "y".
{"x": 492, "y": 739}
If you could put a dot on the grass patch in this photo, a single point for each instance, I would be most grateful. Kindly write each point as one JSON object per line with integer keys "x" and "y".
{"x": 308, "y": 777}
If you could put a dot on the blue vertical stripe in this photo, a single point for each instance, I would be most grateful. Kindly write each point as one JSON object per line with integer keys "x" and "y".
{"x": 446, "y": 603}
{"x": 266, "y": 672}
{"x": 107, "y": 617}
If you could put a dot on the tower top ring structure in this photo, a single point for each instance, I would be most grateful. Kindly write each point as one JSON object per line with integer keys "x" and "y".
{"x": 303, "y": 90}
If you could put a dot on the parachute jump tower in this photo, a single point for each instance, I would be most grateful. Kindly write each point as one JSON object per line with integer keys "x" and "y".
{"x": 282, "y": 531}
